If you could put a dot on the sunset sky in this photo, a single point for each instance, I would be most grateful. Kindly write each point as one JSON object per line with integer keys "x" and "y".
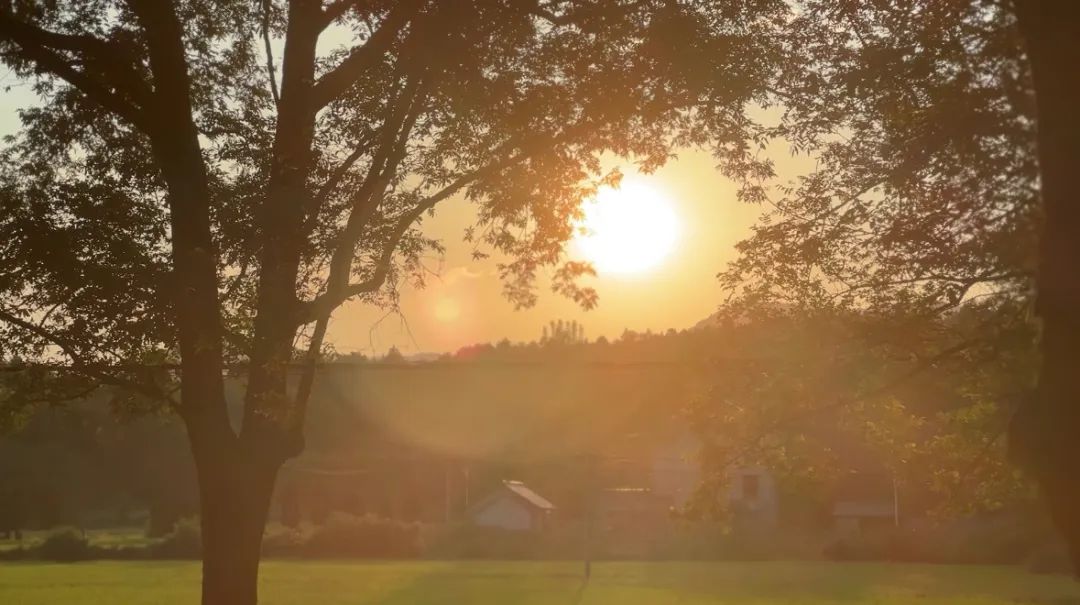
{"x": 700, "y": 223}
{"x": 466, "y": 306}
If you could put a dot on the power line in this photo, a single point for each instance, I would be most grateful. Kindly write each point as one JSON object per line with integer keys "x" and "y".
{"x": 393, "y": 365}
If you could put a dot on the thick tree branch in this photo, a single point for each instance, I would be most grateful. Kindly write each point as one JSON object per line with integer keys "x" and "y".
{"x": 335, "y": 82}
{"x": 307, "y": 375}
{"x": 320, "y": 197}
{"x": 333, "y": 11}
{"x": 194, "y": 288}
{"x": 324, "y": 305}
{"x": 123, "y": 92}
{"x": 394, "y": 137}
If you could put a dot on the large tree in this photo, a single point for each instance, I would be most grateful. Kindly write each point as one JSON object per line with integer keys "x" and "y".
{"x": 202, "y": 184}
{"x": 1044, "y": 432}
{"x": 920, "y": 214}
{"x": 944, "y": 125}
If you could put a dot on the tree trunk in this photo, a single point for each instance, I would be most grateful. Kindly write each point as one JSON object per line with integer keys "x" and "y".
{"x": 235, "y": 490}
{"x": 1045, "y": 434}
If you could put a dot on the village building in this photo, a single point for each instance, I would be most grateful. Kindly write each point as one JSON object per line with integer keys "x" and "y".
{"x": 512, "y": 506}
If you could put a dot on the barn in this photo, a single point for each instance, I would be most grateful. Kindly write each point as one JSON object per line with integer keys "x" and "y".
{"x": 512, "y": 506}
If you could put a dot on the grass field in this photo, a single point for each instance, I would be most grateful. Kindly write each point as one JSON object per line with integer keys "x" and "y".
{"x": 526, "y": 583}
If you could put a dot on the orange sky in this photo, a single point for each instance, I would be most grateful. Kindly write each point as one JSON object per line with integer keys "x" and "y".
{"x": 465, "y": 305}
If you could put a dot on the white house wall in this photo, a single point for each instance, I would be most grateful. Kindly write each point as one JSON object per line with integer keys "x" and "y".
{"x": 505, "y": 513}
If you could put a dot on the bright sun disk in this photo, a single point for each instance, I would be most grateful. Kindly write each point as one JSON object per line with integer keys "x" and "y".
{"x": 628, "y": 230}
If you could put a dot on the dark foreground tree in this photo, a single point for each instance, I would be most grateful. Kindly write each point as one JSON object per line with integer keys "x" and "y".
{"x": 202, "y": 184}
{"x": 926, "y": 200}
{"x": 920, "y": 215}
{"x": 1044, "y": 432}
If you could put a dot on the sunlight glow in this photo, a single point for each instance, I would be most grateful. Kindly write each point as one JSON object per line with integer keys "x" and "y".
{"x": 447, "y": 309}
{"x": 628, "y": 230}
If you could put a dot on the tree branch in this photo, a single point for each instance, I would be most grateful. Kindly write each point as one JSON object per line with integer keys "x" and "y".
{"x": 307, "y": 376}
{"x": 79, "y": 364}
{"x": 271, "y": 71}
{"x": 394, "y": 135}
{"x": 316, "y": 201}
{"x": 44, "y": 49}
{"x": 324, "y": 305}
{"x": 577, "y": 17}
{"x": 335, "y": 82}
{"x": 333, "y": 11}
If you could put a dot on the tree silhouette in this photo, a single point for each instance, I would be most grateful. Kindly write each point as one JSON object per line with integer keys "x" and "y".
{"x": 560, "y": 332}
{"x": 182, "y": 199}
{"x": 1044, "y": 431}
{"x": 928, "y": 201}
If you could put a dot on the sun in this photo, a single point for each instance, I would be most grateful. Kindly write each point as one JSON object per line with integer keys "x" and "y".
{"x": 447, "y": 309}
{"x": 628, "y": 230}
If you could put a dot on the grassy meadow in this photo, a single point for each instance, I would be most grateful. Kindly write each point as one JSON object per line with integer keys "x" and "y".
{"x": 543, "y": 583}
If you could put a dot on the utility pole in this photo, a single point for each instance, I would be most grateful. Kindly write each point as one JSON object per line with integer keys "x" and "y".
{"x": 466, "y": 488}
{"x": 446, "y": 492}
{"x": 590, "y": 512}
{"x": 895, "y": 501}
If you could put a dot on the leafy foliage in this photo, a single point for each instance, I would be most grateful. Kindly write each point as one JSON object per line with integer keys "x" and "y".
{"x": 925, "y": 191}
{"x": 509, "y": 104}
{"x": 889, "y": 287}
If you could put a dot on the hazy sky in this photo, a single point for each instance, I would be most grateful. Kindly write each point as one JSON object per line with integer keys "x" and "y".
{"x": 464, "y": 304}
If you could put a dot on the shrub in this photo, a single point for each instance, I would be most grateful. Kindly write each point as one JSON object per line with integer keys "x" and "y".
{"x": 283, "y": 542}
{"x": 65, "y": 544}
{"x": 185, "y": 541}
{"x": 1051, "y": 558}
{"x": 971, "y": 541}
{"x": 368, "y": 536}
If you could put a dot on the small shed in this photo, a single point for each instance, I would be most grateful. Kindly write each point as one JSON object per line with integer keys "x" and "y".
{"x": 512, "y": 506}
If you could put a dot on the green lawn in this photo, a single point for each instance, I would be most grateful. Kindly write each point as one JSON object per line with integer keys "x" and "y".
{"x": 507, "y": 583}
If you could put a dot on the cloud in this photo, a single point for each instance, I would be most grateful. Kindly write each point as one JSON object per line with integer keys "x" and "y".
{"x": 460, "y": 274}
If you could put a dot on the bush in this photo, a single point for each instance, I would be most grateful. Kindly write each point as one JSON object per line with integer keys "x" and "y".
{"x": 65, "y": 544}
{"x": 986, "y": 542}
{"x": 185, "y": 542}
{"x": 368, "y": 536}
{"x": 1051, "y": 558}
{"x": 283, "y": 542}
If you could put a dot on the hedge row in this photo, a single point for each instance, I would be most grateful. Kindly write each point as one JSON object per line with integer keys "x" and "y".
{"x": 344, "y": 536}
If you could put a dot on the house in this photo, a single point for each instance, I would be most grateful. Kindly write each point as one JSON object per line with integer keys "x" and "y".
{"x": 636, "y": 508}
{"x": 512, "y": 506}
{"x": 863, "y": 500}
{"x": 675, "y": 472}
{"x": 752, "y": 496}
{"x": 750, "y": 491}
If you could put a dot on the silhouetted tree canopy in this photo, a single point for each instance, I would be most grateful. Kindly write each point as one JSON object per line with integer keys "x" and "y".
{"x": 925, "y": 194}
{"x": 893, "y": 281}
{"x": 206, "y": 182}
